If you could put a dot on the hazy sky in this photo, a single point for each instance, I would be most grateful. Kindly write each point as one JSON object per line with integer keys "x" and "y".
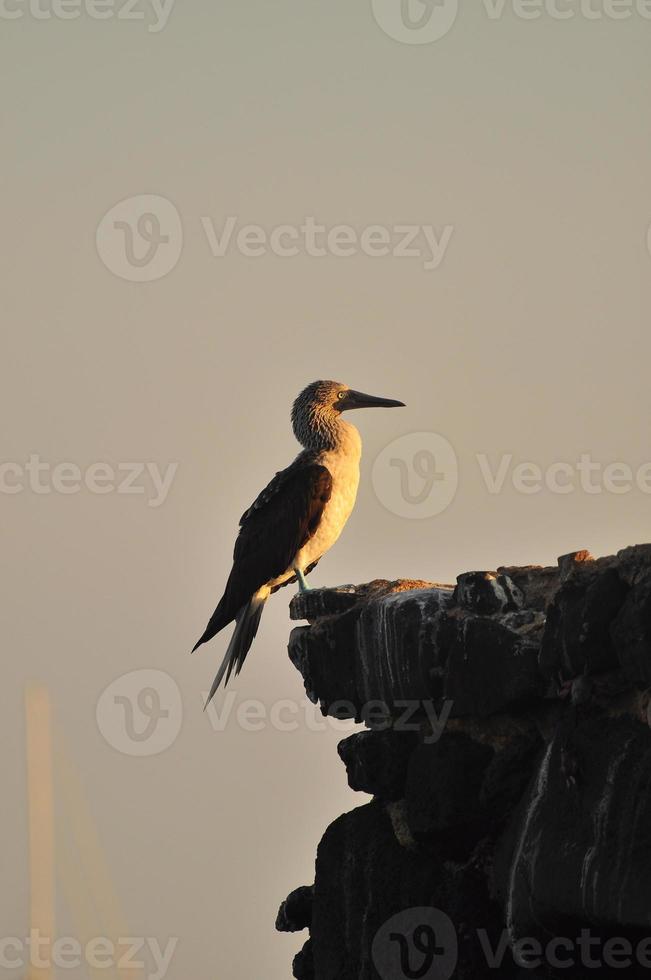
{"x": 514, "y": 154}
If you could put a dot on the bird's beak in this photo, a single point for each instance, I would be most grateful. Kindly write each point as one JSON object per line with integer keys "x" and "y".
{"x": 357, "y": 399}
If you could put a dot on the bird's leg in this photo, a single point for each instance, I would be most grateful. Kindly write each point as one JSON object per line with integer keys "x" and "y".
{"x": 302, "y": 584}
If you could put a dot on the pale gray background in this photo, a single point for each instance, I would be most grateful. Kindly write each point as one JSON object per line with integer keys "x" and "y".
{"x": 532, "y": 338}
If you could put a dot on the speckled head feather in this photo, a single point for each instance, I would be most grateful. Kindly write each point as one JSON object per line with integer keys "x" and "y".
{"x": 316, "y": 414}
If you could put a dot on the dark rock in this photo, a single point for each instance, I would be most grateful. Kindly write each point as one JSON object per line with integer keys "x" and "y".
{"x": 443, "y": 790}
{"x": 598, "y": 833}
{"x": 348, "y": 662}
{"x": 303, "y": 965}
{"x": 295, "y": 913}
{"x": 486, "y": 593}
{"x": 537, "y": 583}
{"x": 634, "y": 563}
{"x": 325, "y": 655}
{"x": 365, "y": 878}
{"x": 415, "y": 648}
{"x": 376, "y": 762}
{"x": 567, "y": 564}
{"x": 316, "y": 603}
{"x": 396, "y": 646}
{"x": 507, "y": 776}
{"x": 510, "y": 808}
{"x": 577, "y": 636}
{"x": 631, "y": 629}
{"x": 492, "y": 664}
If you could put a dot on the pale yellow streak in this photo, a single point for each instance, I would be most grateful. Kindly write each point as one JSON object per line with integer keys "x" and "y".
{"x": 79, "y": 822}
{"x": 75, "y": 889}
{"x": 41, "y": 822}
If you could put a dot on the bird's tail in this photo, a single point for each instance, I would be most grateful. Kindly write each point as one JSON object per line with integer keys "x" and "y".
{"x": 247, "y": 621}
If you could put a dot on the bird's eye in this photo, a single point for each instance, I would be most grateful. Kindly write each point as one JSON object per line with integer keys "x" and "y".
{"x": 341, "y": 394}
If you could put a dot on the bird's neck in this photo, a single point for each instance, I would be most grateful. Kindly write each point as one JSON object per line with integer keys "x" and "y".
{"x": 330, "y": 433}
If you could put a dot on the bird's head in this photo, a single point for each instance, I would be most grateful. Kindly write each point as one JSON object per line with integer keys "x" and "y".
{"x": 319, "y": 406}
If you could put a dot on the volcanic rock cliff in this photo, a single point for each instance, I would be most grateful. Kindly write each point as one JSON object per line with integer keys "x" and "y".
{"x": 508, "y": 753}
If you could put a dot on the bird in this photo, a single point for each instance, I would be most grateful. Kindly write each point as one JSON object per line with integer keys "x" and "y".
{"x": 296, "y": 519}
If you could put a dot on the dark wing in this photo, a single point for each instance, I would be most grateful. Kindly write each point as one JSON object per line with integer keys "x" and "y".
{"x": 277, "y": 525}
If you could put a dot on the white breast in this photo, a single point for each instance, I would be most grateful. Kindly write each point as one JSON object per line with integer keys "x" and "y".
{"x": 343, "y": 465}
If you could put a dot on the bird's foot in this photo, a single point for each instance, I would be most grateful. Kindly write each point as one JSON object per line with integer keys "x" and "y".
{"x": 302, "y": 584}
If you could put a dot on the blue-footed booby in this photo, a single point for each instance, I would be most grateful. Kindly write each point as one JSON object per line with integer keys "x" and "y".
{"x": 296, "y": 518}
